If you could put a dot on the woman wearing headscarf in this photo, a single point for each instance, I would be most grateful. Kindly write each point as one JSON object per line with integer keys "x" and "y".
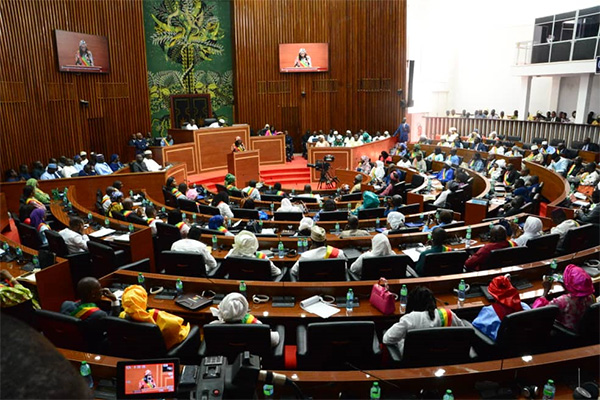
{"x": 421, "y": 313}
{"x": 385, "y": 157}
{"x": 380, "y": 246}
{"x": 507, "y": 302}
{"x": 378, "y": 173}
{"x": 370, "y": 200}
{"x": 286, "y": 206}
{"x": 233, "y": 309}
{"x": 532, "y": 229}
{"x": 37, "y": 220}
{"x": 365, "y": 165}
{"x": 221, "y": 201}
{"x": 245, "y": 244}
{"x": 217, "y": 222}
{"x": 416, "y": 151}
{"x": 135, "y": 302}
{"x": 305, "y": 226}
{"x": 29, "y": 199}
{"x": 572, "y": 305}
{"x": 395, "y": 220}
{"x": 117, "y": 198}
{"x": 230, "y": 182}
{"x": 115, "y": 162}
{"x": 394, "y": 178}
{"x": 38, "y": 194}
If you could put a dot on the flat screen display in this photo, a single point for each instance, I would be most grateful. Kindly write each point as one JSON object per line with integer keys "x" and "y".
{"x": 147, "y": 379}
{"x": 303, "y": 57}
{"x": 81, "y": 53}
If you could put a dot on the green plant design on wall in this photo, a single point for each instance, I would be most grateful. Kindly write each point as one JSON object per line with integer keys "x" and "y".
{"x": 190, "y": 36}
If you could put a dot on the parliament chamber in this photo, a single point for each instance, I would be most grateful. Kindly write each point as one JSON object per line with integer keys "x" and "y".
{"x": 313, "y": 251}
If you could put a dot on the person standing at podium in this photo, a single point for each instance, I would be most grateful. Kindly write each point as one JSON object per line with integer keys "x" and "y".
{"x": 238, "y": 145}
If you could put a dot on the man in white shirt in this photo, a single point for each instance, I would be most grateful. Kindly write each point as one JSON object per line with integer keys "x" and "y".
{"x": 318, "y": 249}
{"x": 193, "y": 245}
{"x": 563, "y": 225}
{"x": 74, "y": 237}
{"x": 308, "y": 193}
{"x": 150, "y": 163}
{"x": 217, "y": 124}
{"x": 84, "y": 159}
{"x": 252, "y": 191}
{"x": 191, "y": 125}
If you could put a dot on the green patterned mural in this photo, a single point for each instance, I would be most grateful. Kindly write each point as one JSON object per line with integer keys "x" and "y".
{"x": 189, "y": 50}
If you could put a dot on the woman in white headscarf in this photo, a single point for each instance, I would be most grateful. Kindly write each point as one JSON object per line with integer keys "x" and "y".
{"x": 395, "y": 220}
{"x": 286, "y": 206}
{"x": 305, "y": 226}
{"x": 245, "y": 244}
{"x": 532, "y": 229}
{"x": 380, "y": 246}
{"x": 233, "y": 309}
{"x": 379, "y": 171}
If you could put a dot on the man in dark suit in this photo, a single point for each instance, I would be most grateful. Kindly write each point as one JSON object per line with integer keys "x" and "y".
{"x": 591, "y": 216}
{"x": 138, "y": 165}
{"x": 589, "y": 146}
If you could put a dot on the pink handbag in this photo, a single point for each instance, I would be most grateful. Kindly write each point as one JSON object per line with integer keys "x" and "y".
{"x": 381, "y": 297}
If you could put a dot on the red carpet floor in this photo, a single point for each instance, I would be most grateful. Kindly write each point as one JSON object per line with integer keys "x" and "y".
{"x": 292, "y": 175}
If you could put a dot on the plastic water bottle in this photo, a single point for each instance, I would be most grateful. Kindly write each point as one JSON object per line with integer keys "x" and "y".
{"x": 553, "y": 266}
{"x": 293, "y": 192}
{"x": 429, "y": 237}
{"x": 280, "y": 250}
{"x": 337, "y": 228}
{"x": 549, "y": 390}
{"x": 461, "y": 290}
{"x": 131, "y": 228}
{"x": 141, "y": 279}
{"x": 214, "y": 242}
{"x": 86, "y": 373}
{"x": 300, "y": 249}
{"x": 90, "y": 217}
{"x": 106, "y": 222}
{"x": 516, "y": 221}
{"x": 429, "y": 185}
{"x": 243, "y": 289}
{"x": 183, "y": 217}
{"x": 35, "y": 261}
{"x": 491, "y": 226}
{"x": 468, "y": 237}
{"x": 377, "y": 223}
{"x": 260, "y": 225}
{"x": 375, "y": 392}
{"x": 194, "y": 218}
{"x": 350, "y": 300}
{"x": 421, "y": 217}
{"x": 163, "y": 210}
{"x": 268, "y": 391}
{"x": 448, "y": 395}
{"x": 305, "y": 241}
{"x": 349, "y": 207}
{"x": 403, "y": 298}
{"x": 131, "y": 193}
{"x": 179, "y": 287}
{"x": 19, "y": 253}
{"x": 272, "y": 207}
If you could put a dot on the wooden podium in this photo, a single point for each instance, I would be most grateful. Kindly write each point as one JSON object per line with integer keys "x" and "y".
{"x": 245, "y": 166}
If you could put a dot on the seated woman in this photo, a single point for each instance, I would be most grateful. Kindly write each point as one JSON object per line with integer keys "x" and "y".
{"x": 286, "y": 206}
{"x": 171, "y": 186}
{"x": 245, "y": 244}
{"x": 305, "y": 226}
{"x": 233, "y": 309}
{"x": 394, "y": 178}
{"x": 115, "y": 205}
{"x": 38, "y": 194}
{"x": 115, "y": 163}
{"x": 221, "y": 201}
{"x": 370, "y": 200}
{"x": 217, "y": 222}
{"x": 135, "y": 303}
{"x": 29, "y": 199}
{"x": 395, "y": 220}
{"x": 532, "y": 229}
{"x": 385, "y": 157}
{"x": 378, "y": 173}
{"x": 365, "y": 165}
{"x": 421, "y": 312}
{"x": 507, "y": 302}
{"x": 328, "y": 205}
{"x": 436, "y": 155}
{"x": 37, "y": 220}
{"x": 230, "y": 182}
{"x": 572, "y": 305}
{"x": 380, "y": 246}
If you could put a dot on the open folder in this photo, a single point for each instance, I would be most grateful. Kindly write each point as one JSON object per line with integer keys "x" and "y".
{"x": 316, "y": 305}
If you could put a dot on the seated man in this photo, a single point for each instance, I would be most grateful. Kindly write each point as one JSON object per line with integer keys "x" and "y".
{"x": 51, "y": 173}
{"x": 102, "y": 167}
{"x": 438, "y": 237}
{"x": 453, "y": 158}
{"x": 150, "y": 164}
{"x": 252, "y": 191}
{"x": 74, "y": 237}
{"x": 444, "y": 217}
{"x": 476, "y": 163}
{"x": 592, "y": 215}
{"x": 574, "y": 169}
{"x": 192, "y": 244}
{"x": 90, "y": 292}
{"x": 13, "y": 293}
{"x": 151, "y": 219}
{"x": 589, "y": 176}
{"x": 510, "y": 175}
{"x": 451, "y": 186}
{"x": 512, "y": 208}
{"x": 498, "y": 240}
{"x": 352, "y": 230}
{"x": 562, "y": 224}
{"x": 318, "y": 249}
{"x": 277, "y": 190}
{"x": 106, "y": 198}
{"x": 135, "y": 306}
{"x": 446, "y": 174}
{"x": 559, "y": 164}
{"x": 308, "y": 193}
{"x": 507, "y": 302}
{"x": 357, "y": 183}
{"x": 138, "y": 165}
{"x": 525, "y": 174}
{"x": 521, "y": 190}
{"x": 535, "y": 156}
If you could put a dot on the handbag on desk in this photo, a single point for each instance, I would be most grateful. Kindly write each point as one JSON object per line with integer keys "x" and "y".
{"x": 381, "y": 297}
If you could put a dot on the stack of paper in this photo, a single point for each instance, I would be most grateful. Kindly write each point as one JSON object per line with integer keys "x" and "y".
{"x": 316, "y": 306}
{"x": 102, "y": 232}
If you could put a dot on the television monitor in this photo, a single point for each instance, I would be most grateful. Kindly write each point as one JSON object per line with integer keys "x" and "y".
{"x": 303, "y": 57}
{"x": 147, "y": 379}
{"x": 81, "y": 53}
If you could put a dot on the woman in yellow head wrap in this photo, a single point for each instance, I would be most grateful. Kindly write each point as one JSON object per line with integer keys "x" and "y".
{"x": 134, "y": 302}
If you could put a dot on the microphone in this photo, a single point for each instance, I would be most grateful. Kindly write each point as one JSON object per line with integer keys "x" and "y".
{"x": 271, "y": 378}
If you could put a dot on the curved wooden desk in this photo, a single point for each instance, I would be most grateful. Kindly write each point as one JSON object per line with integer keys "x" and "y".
{"x": 556, "y": 187}
{"x": 467, "y": 154}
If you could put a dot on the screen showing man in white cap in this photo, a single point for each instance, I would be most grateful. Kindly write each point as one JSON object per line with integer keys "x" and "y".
{"x": 150, "y": 163}
{"x": 318, "y": 249}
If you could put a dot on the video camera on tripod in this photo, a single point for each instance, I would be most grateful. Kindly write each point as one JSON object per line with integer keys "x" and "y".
{"x": 324, "y": 166}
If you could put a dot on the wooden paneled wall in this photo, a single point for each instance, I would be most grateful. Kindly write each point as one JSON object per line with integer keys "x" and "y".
{"x": 40, "y": 114}
{"x": 367, "y": 59}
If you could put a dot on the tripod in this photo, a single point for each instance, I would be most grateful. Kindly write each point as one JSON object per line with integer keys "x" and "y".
{"x": 327, "y": 179}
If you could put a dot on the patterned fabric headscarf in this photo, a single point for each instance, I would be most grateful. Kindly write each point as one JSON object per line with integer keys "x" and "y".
{"x": 229, "y": 179}
{"x": 245, "y": 244}
{"x": 577, "y": 282}
{"x": 215, "y": 221}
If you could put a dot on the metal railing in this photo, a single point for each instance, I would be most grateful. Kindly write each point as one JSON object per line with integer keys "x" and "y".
{"x": 523, "y": 54}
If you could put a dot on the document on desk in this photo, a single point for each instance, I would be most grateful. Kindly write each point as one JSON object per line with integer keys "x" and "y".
{"x": 121, "y": 238}
{"x": 414, "y": 253}
{"x": 581, "y": 203}
{"x": 102, "y": 232}
{"x": 316, "y": 305}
